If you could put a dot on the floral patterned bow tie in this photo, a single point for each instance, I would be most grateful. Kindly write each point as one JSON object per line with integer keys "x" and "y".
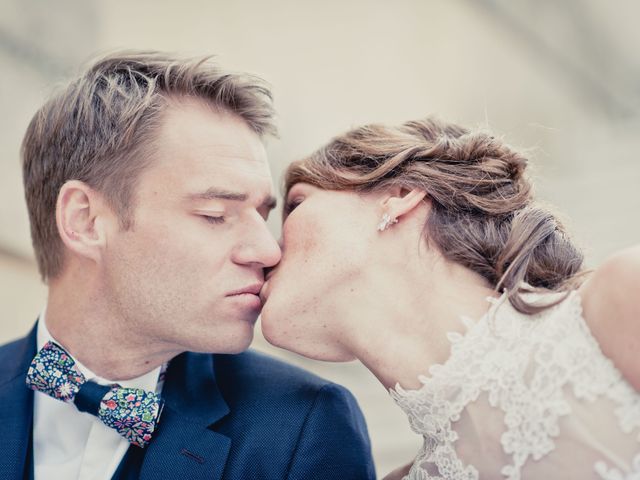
{"x": 132, "y": 412}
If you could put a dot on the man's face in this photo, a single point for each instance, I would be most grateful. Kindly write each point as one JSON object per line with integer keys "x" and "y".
{"x": 188, "y": 274}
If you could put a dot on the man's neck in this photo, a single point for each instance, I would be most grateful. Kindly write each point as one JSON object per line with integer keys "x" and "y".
{"x": 100, "y": 339}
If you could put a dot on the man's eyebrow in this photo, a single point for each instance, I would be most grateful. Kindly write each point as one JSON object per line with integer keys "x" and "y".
{"x": 218, "y": 194}
{"x": 213, "y": 193}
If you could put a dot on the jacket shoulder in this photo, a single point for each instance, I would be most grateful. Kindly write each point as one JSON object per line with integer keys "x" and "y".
{"x": 11, "y": 349}
{"x": 253, "y": 380}
{"x": 291, "y": 420}
{"x": 252, "y": 370}
{"x": 16, "y": 356}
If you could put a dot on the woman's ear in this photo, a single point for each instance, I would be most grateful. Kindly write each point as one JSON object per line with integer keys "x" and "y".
{"x": 400, "y": 201}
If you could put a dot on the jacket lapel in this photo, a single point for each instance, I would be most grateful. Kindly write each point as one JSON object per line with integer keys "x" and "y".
{"x": 183, "y": 446}
{"x": 16, "y": 406}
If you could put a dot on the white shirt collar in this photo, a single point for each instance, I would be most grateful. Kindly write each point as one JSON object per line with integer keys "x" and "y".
{"x": 148, "y": 381}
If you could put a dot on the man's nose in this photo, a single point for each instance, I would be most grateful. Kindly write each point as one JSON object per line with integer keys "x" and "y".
{"x": 268, "y": 271}
{"x": 273, "y": 253}
{"x": 260, "y": 247}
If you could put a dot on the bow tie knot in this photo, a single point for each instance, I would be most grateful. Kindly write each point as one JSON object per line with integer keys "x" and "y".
{"x": 132, "y": 412}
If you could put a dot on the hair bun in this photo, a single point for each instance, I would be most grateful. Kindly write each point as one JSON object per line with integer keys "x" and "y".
{"x": 482, "y": 215}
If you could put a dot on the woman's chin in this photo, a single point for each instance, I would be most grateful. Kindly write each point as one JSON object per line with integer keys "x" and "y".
{"x": 309, "y": 347}
{"x": 326, "y": 355}
{"x": 300, "y": 339}
{"x": 272, "y": 330}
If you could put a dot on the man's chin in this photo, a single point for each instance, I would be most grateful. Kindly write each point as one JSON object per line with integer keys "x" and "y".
{"x": 227, "y": 344}
{"x": 243, "y": 346}
{"x": 241, "y": 343}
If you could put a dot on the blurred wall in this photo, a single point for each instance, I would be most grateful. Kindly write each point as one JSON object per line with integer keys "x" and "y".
{"x": 559, "y": 79}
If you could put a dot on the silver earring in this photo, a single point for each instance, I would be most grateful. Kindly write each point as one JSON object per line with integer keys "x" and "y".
{"x": 386, "y": 222}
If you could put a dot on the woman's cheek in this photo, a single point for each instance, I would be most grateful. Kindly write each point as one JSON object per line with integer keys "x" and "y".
{"x": 300, "y": 235}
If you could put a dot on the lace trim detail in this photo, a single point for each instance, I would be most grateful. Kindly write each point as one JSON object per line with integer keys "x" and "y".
{"x": 523, "y": 363}
{"x": 615, "y": 474}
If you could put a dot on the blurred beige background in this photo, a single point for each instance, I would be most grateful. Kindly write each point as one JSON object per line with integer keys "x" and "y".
{"x": 561, "y": 79}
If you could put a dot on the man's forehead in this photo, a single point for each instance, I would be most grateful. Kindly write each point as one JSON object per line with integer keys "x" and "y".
{"x": 230, "y": 160}
{"x": 209, "y": 152}
{"x": 197, "y": 126}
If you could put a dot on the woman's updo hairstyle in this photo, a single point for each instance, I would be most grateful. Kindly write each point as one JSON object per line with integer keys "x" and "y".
{"x": 482, "y": 213}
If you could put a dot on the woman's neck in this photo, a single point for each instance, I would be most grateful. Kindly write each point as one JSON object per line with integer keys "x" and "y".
{"x": 403, "y": 320}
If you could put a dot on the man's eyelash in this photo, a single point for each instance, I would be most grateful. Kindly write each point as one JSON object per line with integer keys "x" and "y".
{"x": 216, "y": 220}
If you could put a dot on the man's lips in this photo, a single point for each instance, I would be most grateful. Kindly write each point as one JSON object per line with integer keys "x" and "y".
{"x": 247, "y": 297}
{"x": 253, "y": 289}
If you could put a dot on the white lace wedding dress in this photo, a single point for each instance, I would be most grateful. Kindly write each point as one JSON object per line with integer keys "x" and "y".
{"x": 525, "y": 397}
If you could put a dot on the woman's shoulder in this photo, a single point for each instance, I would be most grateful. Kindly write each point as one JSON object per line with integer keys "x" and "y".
{"x": 611, "y": 309}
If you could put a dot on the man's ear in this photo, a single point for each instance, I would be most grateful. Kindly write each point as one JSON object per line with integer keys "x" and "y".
{"x": 400, "y": 201}
{"x": 79, "y": 217}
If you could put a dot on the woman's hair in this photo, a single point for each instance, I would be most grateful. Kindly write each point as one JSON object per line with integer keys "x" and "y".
{"x": 482, "y": 215}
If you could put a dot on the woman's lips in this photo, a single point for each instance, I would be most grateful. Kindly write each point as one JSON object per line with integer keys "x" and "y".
{"x": 263, "y": 292}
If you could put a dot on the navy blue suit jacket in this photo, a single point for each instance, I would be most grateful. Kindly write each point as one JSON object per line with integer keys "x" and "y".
{"x": 227, "y": 417}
